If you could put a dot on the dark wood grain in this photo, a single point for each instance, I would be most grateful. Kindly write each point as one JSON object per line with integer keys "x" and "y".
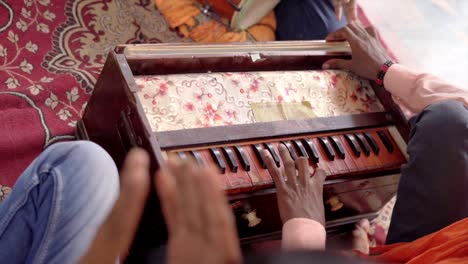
{"x": 115, "y": 92}
{"x": 230, "y": 134}
{"x": 239, "y": 63}
{"x": 80, "y": 132}
{"x": 234, "y": 57}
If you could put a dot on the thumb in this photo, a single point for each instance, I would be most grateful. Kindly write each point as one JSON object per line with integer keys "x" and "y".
{"x": 337, "y": 64}
{"x": 115, "y": 235}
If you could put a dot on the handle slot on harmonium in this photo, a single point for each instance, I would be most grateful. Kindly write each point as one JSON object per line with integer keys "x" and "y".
{"x": 222, "y": 105}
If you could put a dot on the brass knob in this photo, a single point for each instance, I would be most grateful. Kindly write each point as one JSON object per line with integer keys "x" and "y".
{"x": 252, "y": 218}
{"x": 335, "y": 203}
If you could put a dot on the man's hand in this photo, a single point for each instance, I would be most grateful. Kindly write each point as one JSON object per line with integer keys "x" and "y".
{"x": 299, "y": 195}
{"x": 349, "y": 7}
{"x": 115, "y": 235}
{"x": 367, "y": 51}
{"x": 200, "y": 222}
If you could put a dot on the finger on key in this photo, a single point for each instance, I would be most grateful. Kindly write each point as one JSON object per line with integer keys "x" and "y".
{"x": 302, "y": 165}
{"x": 288, "y": 165}
{"x": 273, "y": 170}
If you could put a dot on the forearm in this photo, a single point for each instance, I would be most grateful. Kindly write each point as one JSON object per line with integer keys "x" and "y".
{"x": 416, "y": 91}
{"x": 302, "y": 233}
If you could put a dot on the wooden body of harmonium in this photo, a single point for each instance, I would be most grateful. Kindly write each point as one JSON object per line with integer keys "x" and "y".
{"x": 201, "y": 101}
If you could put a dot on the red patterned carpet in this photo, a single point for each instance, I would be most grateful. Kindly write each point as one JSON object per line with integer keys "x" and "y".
{"x": 51, "y": 54}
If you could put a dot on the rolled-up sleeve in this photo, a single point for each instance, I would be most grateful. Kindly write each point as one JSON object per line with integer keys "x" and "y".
{"x": 415, "y": 91}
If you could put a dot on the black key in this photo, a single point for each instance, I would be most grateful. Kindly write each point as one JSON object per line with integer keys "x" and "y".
{"x": 352, "y": 142}
{"x": 257, "y": 148}
{"x": 275, "y": 156}
{"x": 216, "y": 155}
{"x": 242, "y": 156}
{"x": 363, "y": 143}
{"x": 198, "y": 158}
{"x": 182, "y": 155}
{"x": 335, "y": 141}
{"x": 300, "y": 148}
{"x": 386, "y": 141}
{"x": 231, "y": 159}
{"x": 372, "y": 143}
{"x": 309, "y": 146}
{"x": 327, "y": 148}
{"x": 290, "y": 149}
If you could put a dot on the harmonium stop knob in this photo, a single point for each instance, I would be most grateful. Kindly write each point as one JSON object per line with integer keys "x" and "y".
{"x": 252, "y": 218}
{"x": 334, "y": 203}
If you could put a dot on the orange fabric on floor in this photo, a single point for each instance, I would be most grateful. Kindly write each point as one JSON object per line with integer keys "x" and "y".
{"x": 449, "y": 245}
{"x": 182, "y": 16}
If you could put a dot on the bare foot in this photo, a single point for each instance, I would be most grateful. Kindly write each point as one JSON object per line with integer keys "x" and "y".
{"x": 360, "y": 239}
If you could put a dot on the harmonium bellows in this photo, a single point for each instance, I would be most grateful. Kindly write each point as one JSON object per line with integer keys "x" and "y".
{"x": 222, "y": 104}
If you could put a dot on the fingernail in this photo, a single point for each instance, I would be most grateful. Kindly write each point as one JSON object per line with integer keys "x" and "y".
{"x": 325, "y": 66}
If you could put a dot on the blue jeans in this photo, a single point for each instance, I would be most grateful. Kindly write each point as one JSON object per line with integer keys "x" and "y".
{"x": 57, "y": 205}
{"x": 306, "y": 19}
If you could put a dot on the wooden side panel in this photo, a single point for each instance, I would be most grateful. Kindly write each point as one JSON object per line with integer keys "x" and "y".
{"x": 112, "y": 98}
{"x": 112, "y": 112}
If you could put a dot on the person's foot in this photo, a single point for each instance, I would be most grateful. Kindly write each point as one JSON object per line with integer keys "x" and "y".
{"x": 360, "y": 236}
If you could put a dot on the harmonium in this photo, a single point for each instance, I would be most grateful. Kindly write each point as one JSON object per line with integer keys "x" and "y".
{"x": 222, "y": 104}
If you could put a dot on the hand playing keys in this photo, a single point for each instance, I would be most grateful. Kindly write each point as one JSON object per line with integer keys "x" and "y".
{"x": 299, "y": 195}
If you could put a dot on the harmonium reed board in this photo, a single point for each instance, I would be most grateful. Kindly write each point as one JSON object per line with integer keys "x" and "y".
{"x": 213, "y": 104}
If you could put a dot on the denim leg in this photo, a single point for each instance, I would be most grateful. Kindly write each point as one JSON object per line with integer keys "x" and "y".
{"x": 306, "y": 19}
{"x": 57, "y": 205}
{"x": 432, "y": 193}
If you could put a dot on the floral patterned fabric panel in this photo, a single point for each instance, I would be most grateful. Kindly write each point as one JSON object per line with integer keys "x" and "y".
{"x": 182, "y": 101}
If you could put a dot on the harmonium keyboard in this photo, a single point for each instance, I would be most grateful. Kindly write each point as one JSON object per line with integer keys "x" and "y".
{"x": 212, "y": 104}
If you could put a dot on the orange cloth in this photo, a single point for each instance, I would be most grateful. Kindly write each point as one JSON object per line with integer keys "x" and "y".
{"x": 449, "y": 245}
{"x": 182, "y": 16}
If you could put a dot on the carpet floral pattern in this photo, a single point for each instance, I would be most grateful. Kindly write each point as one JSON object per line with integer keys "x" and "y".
{"x": 51, "y": 53}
